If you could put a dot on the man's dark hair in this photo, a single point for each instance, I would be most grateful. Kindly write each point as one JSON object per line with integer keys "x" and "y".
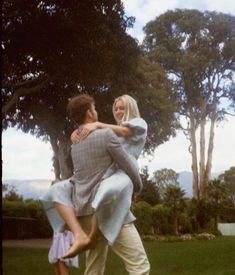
{"x": 78, "y": 106}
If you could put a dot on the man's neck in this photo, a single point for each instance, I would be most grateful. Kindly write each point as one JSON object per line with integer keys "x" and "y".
{"x": 87, "y": 121}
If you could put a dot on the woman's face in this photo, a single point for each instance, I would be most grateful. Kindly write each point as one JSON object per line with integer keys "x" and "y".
{"x": 119, "y": 110}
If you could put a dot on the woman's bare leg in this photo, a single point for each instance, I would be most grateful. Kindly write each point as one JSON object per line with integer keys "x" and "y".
{"x": 94, "y": 228}
{"x": 57, "y": 268}
{"x": 61, "y": 268}
{"x": 81, "y": 240}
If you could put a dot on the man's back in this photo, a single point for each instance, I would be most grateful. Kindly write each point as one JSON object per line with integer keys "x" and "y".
{"x": 91, "y": 159}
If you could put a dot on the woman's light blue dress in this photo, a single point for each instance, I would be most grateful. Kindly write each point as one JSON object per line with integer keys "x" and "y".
{"x": 112, "y": 201}
{"x": 60, "y": 245}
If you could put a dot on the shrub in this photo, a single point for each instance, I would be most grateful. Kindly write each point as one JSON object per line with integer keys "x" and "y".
{"x": 14, "y": 209}
{"x": 143, "y": 213}
{"x": 185, "y": 224}
{"x": 36, "y": 211}
{"x": 161, "y": 220}
{"x": 28, "y": 209}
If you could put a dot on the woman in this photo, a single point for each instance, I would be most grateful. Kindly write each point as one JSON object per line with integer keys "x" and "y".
{"x": 112, "y": 201}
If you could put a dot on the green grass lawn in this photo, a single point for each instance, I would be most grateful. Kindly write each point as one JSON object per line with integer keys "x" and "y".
{"x": 197, "y": 257}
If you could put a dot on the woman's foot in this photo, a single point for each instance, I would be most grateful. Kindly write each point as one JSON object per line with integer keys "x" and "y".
{"x": 79, "y": 245}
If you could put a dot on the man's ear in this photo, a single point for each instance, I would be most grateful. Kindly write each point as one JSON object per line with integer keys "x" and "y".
{"x": 89, "y": 113}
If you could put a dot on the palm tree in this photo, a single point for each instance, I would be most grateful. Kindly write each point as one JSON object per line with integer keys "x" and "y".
{"x": 174, "y": 200}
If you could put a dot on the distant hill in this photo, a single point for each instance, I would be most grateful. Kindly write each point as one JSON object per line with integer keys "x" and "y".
{"x": 186, "y": 180}
{"x": 33, "y": 189}
{"x": 30, "y": 189}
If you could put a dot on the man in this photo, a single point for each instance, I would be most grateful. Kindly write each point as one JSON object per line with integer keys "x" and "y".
{"x": 91, "y": 158}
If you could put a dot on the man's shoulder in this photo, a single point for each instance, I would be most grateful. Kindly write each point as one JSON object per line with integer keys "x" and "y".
{"x": 104, "y": 134}
{"x": 96, "y": 138}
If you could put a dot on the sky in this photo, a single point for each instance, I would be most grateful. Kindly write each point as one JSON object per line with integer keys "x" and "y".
{"x": 27, "y": 157}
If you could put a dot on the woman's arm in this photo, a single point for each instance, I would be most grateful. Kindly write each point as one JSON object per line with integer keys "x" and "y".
{"x": 122, "y": 131}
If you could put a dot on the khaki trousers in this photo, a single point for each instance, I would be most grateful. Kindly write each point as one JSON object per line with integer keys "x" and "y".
{"x": 128, "y": 247}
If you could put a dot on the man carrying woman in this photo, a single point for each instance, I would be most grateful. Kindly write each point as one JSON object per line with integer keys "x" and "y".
{"x": 100, "y": 191}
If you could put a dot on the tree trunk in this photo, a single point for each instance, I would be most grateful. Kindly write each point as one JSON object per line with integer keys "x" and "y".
{"x": 193, "y": 152}
{"x": 210, "y": 147}
{"x": 175, "y": 224}
{"x": 64, "y": 156}
{"x": 202, "y": 144}
{"x": 62, "y": 162}
{"x": 55, "y": 159}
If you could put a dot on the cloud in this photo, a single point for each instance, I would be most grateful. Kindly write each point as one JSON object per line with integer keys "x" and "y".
{"x": 25, "y": 156}
{"x": 147, "y": 10}
{"x": 225, "y": 6}
{"x": 144, "y": 11}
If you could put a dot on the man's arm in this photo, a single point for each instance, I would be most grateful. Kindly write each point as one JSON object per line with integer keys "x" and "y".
{"x": 124, "y": 161}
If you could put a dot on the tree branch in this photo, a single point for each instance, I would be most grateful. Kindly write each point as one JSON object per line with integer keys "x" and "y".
{"x": 25, "y": 83}
{"x": 23, "y": 91}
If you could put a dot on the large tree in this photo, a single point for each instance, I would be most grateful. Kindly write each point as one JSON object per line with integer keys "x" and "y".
{"x": 228, "y": 180}
{"x": 174, "y": 200}
{"x": 163, "y": 178}
{"x": 197, "y": 50}
{"x": 55, "y": 49}
{"x": 218, "y": 199}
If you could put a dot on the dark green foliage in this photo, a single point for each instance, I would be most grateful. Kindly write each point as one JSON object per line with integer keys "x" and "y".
{"x": 143, "y": 212}
{"x": 219, "y": 201}
{"x": 228, "y": 181}
{"x": 174, "y": 200}
{"x": 10, "y": 193}
{"x": 161, "y": 220}
{"x": 185, "y": 223}
{"x": 28, "y": 209}
{"x": 149, "y": 192}
{"x": 53, "y": 50}
{"x": 61, "y": 45}
{"x": 177, "y": 214}
{"x": 194, "y": 46}
{"x": 200, "y": 215}
{"x": 14, "y": 209}
{"x": 157, "y": 103}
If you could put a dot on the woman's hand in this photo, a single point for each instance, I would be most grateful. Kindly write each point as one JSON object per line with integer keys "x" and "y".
{"x": 92, "y": 126}
{"x": 77, "y": 136}
{"x": 55, "y": 181}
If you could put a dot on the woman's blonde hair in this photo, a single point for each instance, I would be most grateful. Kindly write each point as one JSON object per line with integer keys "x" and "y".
{"x": 131, "y": 107}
